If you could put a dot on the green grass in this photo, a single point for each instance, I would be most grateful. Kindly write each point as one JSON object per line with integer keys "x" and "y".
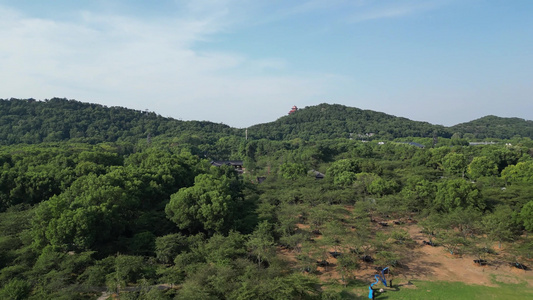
{"x": 458, "y": 290}
{"x": 442, "y": 290}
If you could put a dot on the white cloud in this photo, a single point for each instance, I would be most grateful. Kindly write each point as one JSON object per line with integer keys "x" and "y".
{"x": 374, "y": 10}
{"x": 146, "y": 64}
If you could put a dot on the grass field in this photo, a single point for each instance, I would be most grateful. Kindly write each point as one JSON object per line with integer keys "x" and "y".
{"x": 457, "y": 290}
{"x": 440, "y": 290}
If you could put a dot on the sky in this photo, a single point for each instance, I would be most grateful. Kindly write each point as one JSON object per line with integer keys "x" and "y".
{"x": 245, "y": 62}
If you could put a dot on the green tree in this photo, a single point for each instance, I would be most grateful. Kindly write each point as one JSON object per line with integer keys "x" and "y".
{"x": 522, "y": 172}
{"x": 455, "y": 193}
{"x": 334, "y": 234}
{"x": 418, "y": 193}
{"x": 127, "y": 269}
{"x": 452, "y": 241}
{"x": 292, "y": 171}
{"x": 526, "y": 215}
{"x": 207, "y": 206}
{"x": 168, "y": 246}
{"x": 261, "y": 242}
{"x": 15, "y": 289}
{"x": 344, "y": 165}
{"x": 499, "y": 224}
{"x": 380, "y": 187}
{"x": 222, "y": 250}
{"x": 345, "y": 178}
{"x": 464, "y": 220}
{"x": 454, "y": 163}
{"x": 482, "y": 166}
{"x": 364, "y": 181}
{"x": 346, "y": 265}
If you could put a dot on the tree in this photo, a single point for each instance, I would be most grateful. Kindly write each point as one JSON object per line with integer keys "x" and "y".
{"x": 94, "y": 216}
{"x": 168, "y": 246}
{"x": 319, "y": 215}
{"x": 207, "y": 206}
{"x": 292, "y": 171}
{"x": 522, "y": 172}
{"x": 455, "y": 193}
{"x": 360, "y": 242}
{"x": 345, "y": 178}
{"x": 222, "y": 250}
{"x": 482, "y": 166}
{"x": 465, "y": 220}
{"x": 499, "y": 224}
{"x": 293, "y": 286}
{"x": 15, "y": 289}
{"x": 454, "y": 163}
{"x": 433, "y": 225}
{"x": 418, "y": 192}
{"x": 401, "y": 236}
{"x": 364, "y": 181}
{"x": 287, "y": 218}
{"x": 452, "y": 241}
{"x": 261, "y": 242}
{"x": 343, "y": 166}
{"x": 127, "y": 269}
{"x": 503, "y": 157}
{"x": 380, "y": 187}
{"x": 526, "y": 215}
{"x": 346, "y": 264}
{"x": 334, "y": 234}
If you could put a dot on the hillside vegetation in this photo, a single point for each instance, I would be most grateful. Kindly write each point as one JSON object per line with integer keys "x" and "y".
{"x": 326, "y": 121}
{"x": 54, "y": 120}
{"x": 495, "y": 127}
{"x": 29, "y": 121}
{"x": 107, "y": 209}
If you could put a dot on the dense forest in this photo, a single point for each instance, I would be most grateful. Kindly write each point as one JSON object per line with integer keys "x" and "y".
{"x": 326, "y": 121}
{"x": 29, "y": 121}
{"x": 109, "y": 200}
{"x": 495, "y": 127}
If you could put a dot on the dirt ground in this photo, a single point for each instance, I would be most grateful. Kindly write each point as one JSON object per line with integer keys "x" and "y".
{"x": 433, "y": 264}
{"x": 436, "y": 264}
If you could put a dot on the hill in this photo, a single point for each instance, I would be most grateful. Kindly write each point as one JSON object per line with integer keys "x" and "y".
{"x": 495, "y": 127}
{"x": 326, "y": 121}
{"x": 29, "y": 121}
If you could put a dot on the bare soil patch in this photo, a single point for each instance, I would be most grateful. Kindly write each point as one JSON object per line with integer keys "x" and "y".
{"x": 431, "y": 264}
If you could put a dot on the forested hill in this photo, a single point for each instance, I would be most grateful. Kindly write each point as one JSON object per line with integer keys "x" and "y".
{"x": 30, "y": 121}
{"x": 496, "y": 127}
{"x": 338, "y": 121}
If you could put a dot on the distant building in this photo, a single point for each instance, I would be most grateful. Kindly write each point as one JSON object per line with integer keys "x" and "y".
{"x": 417, "y": 145}
{"x": 481, "y": 143}
{"x": 413, "y": 144}
{"x": 293, "y": 110}
{"x": 237, "y": 164}
{"x": 318, "y": 175}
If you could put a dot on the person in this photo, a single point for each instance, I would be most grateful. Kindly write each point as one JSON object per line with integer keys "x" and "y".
{"x": 390, "y": 282}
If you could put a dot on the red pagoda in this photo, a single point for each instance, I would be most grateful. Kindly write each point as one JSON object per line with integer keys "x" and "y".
{"x": 294, "y": 109}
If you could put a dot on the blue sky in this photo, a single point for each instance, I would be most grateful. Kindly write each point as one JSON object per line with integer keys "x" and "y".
{"x": 244, "y": 62}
